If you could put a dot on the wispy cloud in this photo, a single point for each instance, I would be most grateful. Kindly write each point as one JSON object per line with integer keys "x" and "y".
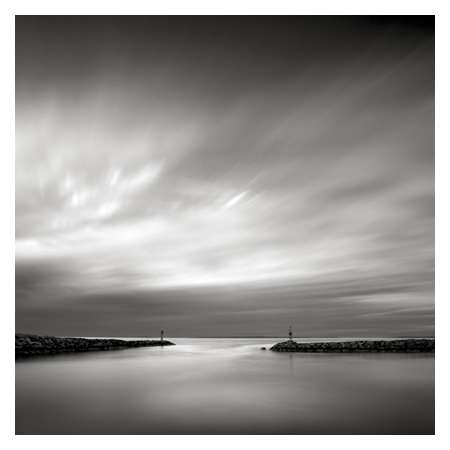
{"x": 152, "y": 171}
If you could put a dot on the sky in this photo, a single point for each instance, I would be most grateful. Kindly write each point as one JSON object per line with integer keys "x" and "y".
{"x": 225, "y": 176}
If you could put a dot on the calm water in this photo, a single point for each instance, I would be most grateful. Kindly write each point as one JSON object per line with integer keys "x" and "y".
{"x": 223, "y": 386}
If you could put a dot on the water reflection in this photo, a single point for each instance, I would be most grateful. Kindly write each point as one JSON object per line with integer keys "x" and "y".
{"x": 224, "y": 386}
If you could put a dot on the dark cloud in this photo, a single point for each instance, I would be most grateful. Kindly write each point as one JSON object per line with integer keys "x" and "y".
{"x": 387, "y": 306}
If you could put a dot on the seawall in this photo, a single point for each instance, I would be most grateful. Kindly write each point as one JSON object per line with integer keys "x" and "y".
{"x": 395, "y": 346}
{"x": 32, "y": 345}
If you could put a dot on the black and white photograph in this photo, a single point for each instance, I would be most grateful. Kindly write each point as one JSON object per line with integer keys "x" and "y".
{"x": 224, "y": 225}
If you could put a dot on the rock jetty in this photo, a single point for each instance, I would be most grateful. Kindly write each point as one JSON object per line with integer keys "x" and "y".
{"x": 383, "y": 346}
{"x": 32, "y": 345}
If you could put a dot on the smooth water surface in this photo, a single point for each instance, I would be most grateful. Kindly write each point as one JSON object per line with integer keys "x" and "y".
{"x": 224, "y": 386}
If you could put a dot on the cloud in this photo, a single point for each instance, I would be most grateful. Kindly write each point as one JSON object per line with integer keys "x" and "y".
{"x": 286, "y": 159}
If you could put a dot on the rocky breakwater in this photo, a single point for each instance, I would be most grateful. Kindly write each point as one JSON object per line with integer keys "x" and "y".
{"x": 382, "y": 346}
{"x": 32, "y": 345}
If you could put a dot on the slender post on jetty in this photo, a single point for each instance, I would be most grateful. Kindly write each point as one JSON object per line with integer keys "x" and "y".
{"x": 290, "y": 333}
{"x": 162, "y": 336}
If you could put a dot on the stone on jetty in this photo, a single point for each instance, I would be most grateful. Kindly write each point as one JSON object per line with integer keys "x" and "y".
{"x": 384, "y": 346}
{"x": 32, "y": 345}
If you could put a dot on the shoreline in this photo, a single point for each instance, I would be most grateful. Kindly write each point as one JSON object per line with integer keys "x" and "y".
{"x": 28, "y": 345}
{"x": 422, "y": 345}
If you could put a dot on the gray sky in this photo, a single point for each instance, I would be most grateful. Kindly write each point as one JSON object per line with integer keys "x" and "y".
{"x": 225, "y": 176}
